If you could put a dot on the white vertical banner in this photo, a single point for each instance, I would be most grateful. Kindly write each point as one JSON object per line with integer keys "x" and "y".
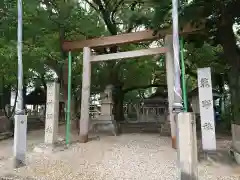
{"x": 206, "y": 109}
{"x": 176, "y": 49}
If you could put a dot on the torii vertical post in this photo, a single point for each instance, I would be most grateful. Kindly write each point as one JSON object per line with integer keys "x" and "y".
{"x": 86, "y": 84}
{"x": 170, "y": 85}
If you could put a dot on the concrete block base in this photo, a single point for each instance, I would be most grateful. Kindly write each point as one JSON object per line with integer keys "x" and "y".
{"x": 237, "y": 157}
{"x": 20, "y": 140}
{"x": 105, "y": 126}
{"x": 187, "y": 146}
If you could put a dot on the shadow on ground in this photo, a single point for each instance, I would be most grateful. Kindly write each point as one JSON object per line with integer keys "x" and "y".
{"x": 220, "y": 157}
{"x": 14, "y": 177}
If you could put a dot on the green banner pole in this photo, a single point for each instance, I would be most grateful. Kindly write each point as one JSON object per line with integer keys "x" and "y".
{"x": 184, "y": 88}
{"x": 69, "y": 98}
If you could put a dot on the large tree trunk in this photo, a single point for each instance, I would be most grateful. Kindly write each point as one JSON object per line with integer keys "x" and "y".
{"x": 235, "y": 103}
{"x": 118, "y": 93}
{"x": 118, "y": 105}
{"x": 232, "y": 55}
{"x": 78, "y": 111}
{"x": 235, "y": 93}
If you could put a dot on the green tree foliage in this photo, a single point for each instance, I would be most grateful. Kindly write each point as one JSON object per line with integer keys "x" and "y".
{"x": 219, "y": 19}
{"x": 47, "y": 23}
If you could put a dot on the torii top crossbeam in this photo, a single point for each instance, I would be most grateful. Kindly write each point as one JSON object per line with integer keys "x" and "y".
{"x": 125, "y": 38}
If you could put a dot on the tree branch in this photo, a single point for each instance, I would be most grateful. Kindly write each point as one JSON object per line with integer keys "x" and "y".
{"x": 190, "y": 72}
{"x": 141, "y": 94}
{"x": 106, "y": 17}
{"x": 53, "y": 64}
{"x": 143, "y": 87}
{"x": 42, "y": 78}
{"x": 92, "y": 5}
{"x": 115, "y": 11}
{"x": 51, "y": 6}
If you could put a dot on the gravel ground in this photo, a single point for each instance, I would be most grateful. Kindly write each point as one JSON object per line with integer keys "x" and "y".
{"x": 127, "y": 157}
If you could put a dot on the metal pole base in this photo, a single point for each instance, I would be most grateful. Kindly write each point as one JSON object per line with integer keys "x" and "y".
{"x": 177, "y": 108}
{"x": 20, "y": 140}
{"x": 17, "y": 163}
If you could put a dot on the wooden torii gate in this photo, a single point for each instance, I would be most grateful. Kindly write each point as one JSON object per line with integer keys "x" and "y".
{"x": 117, "y": 40}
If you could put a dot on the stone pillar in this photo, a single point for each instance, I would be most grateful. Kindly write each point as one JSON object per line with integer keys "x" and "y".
{"x": 236, "y": 142}
{"x": 187, "y": 146}
{"x": 52, "y": 113}
{"x": 170, "y": 85}
{"x": 236, "y": 137}
{"x": 86, "y": 84}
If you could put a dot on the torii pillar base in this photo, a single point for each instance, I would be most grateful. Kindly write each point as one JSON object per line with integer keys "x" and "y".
{"x": 83, "y": 138}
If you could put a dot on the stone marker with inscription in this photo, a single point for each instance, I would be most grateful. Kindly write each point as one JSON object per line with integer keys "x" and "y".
{"x": 52, "y": 111}
{"x": 206, "y": 109}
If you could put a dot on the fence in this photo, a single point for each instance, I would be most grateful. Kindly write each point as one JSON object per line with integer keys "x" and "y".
{"x": 140, "y": 113}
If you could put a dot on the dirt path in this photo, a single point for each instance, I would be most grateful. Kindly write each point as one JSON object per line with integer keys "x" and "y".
{"x": 127, "y": 157}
